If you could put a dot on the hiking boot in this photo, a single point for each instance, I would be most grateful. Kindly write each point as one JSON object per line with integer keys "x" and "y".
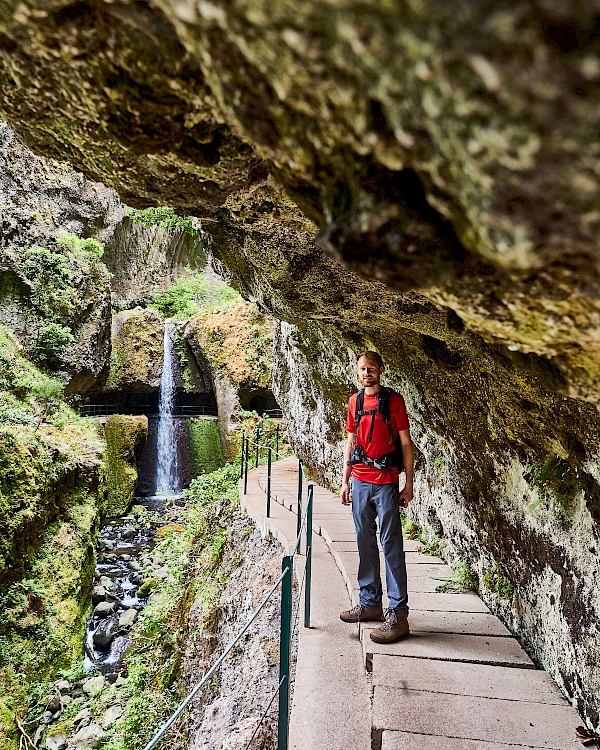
{"x": 361, "y": 614}
{"x": 394, "y": 627}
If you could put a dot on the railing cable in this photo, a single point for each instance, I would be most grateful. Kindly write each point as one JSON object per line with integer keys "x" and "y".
{"x": 167, "y": 725}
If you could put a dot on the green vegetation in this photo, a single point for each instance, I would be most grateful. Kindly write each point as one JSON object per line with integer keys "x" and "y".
{"x": 190, "y": 294}
{"x": 123, "y": 434}
{"x": 205, "y": 446}
{"x": 557, "y": 487}
{"x": 200, "y": 560}
{"x": 49, "y": 465}
{"x": 162, "y": 216}
{"x": 430, "y": 545}
{"x": 63, "y": 279}
{"x": 463, "y": 579}
{"x": 495, "y": 581}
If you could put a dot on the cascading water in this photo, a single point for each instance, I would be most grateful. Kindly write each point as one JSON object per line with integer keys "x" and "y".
{"x": 167, "y": 470}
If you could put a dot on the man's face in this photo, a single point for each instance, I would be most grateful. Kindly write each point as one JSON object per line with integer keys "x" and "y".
{"x": 369, "y": 373}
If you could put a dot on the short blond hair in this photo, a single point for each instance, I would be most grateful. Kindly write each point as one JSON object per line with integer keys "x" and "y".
{"x": 371, "y": 356}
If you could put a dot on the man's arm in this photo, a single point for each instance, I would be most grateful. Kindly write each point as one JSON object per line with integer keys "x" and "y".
{"x": 409, "y": 466}
{"x": 345, "y": 493}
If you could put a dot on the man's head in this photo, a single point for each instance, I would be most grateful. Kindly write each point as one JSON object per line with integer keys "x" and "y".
{"x": 370, "y": 367}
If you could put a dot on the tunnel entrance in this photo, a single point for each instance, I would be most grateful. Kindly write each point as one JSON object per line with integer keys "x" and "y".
{"x": 260, "y": 400}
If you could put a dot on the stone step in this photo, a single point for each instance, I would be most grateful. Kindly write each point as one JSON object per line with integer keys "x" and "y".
{"x": 465, "y": 623}
{"x": 468, "y": 602}
{"x": 477, "y": 649}
{"x": 480, "y": 719}
{"x": 410, "y": 741}
{"x": 477, "y": 680}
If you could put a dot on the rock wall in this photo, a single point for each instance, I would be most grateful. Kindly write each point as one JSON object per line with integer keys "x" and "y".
{"x": 137, "y": 351}
{"x": 448, "y": 153}
{"x": 125, "y": 437}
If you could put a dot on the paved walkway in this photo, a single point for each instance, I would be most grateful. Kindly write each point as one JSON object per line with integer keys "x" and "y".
{"x": 460, "y": 682}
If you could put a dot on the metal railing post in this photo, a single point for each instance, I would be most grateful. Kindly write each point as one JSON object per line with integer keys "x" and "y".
{"x": 270, "y": 460}
{"x": 277, "y": 439}
{"x": 299, "y": 519}
{"x": 246, "y": 465}
{"x": 284, "y": 656}
{"x": 257, "y": 437}
{"x": 243, "y": 451}
{"x": 308, "y": 562}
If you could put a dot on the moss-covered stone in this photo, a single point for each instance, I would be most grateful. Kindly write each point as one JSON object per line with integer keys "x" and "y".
{"x": 137, "y": 351}
{"x": 124, "y": 436}
{"x": 206, "y": 454}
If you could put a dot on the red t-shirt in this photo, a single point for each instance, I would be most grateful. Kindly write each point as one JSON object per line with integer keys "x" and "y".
{"x": 380, "y": 442}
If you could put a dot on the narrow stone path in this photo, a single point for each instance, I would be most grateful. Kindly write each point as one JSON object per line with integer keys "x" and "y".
{"x": 460, "y": 682}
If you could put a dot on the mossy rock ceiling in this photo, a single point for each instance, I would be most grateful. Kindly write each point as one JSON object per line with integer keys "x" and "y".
{"x": 442, "y": 147}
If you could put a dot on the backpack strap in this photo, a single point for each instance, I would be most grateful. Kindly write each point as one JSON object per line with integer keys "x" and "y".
{"x": 383, "y": 408}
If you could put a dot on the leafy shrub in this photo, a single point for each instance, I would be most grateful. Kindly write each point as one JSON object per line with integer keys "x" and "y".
{"x": 51, "y": 342}
{"x": 75, "y": 244}
{"x": 184, "y": 298}
{"x": 162, "y": 216}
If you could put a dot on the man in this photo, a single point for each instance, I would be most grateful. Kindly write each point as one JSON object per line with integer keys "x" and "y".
{"x": 375, "y": 494}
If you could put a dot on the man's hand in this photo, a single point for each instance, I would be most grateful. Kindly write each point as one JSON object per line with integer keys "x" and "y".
{"x": 345, "y": 494}
{"x": 405, "y": 497}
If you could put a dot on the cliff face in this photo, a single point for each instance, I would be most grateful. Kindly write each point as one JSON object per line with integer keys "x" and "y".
{"x": 446, "y": 156}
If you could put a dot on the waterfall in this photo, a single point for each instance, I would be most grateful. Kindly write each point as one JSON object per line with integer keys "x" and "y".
{"x": 167, "y": 470}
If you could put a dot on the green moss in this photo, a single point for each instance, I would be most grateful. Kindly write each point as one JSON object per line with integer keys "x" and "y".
{"x": 495, "y": 581}
{"x": 463, "y": 579}
{"x": 557, "y": 487}
{"x": 123, "y": 435}
{"x": 206, "y": 454}
{"x": 430, "y": 544}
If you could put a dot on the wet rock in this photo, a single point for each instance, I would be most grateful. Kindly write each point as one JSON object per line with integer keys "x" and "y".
{"x": 112, "y": 714}
{"x": 87, "y": 738}
{"x": 56, "y": 742}
{"x": 106, "y": 544}
{"x": 120, "y": 681}
{"x": 94, "y": 685}
{"x": 83, "y": 716}
{"x": 127, "y": 618}
{"x": 53, "y": 703}
{"x": 137, "y": 579}
{"x": 104, "y": 635}
{"x": 105, "y": 582}
{"x": 66, "y": 700}
{"x": 63, "y": 686}
{"x": 147, "y": 586}
{"x": 46, "y": 717}
{"x": 103, "y": 609}
{"x": 134, "y": 565}
{"x": 98, "y": 594}
{"x": 128, "y": 533}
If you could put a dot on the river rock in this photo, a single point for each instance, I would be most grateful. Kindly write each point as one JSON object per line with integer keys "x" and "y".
{"x": 128, "y": 533}
{"x": 63, "y": 686}
{"x": 137, "y": 578}
{"x": 53, "y": 703}
{"x": 112, "y": 714}
{"x": 56, "y": 742}
{"x": 98, "y": 594}
{"x": 127, "y": 618}
{"x": 120, "y": 681}
{"x": 66, "y": 700}
{"x": 87, "y": 738}
{"x": 46, "y": 717}
{"x": 105, "y": 582}
{"x": 105, "y": 634}
{"x": 103, "y": 609}
{"x": 134, "y": 565}
{"x": 83, "y": 715}
{"x": 147, "y": 586}
{"x": 94, "y": 685}
{"x": 106, "y": 544}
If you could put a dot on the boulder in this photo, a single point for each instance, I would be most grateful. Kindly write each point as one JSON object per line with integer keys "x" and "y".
{"x": 98, "y": 594}
{"x": 105, "y": 634}
{"x": 87, "y": 738}
{"x": 111, "y": 715}
{"x": 127, "y": 618}
{"x": 103, "y": 609}
{"x": 93, "y": 686}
